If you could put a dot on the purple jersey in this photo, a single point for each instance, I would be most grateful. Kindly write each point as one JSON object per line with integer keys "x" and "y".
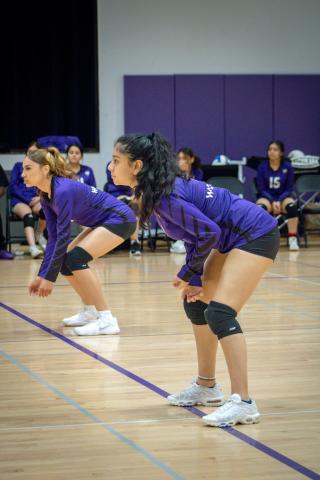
{"x": 72, "y": 200}
{"x": 205, "y": 218}
{"x": 275, "y": 185}
{"x": 86, "y": 175}
{"x": 196, "y": 173}
{"x": 19, "y": 192}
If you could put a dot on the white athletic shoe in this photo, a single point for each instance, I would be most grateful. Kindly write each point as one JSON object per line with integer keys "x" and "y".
{"x": 232, "y": 412}
{"x": 41, "y": 240}
{"x": 293, "y": 244}
{"x": 178, "y": 247}
{"x": 86, "y": 315}
{"x": 35, "y": 252}
{"x": 197, "y": 395}
{"x": 106, "y": 324}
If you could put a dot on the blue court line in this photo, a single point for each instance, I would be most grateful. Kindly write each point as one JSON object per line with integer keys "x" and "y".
{"x": 90, "y": 415}
{"x": 236, "y": 433}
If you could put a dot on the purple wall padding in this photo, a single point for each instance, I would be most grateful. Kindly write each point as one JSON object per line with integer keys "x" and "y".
{"x": 248, "y": 114}
{"x": 297, "y": 112}
{"x": 149, "y": 104}
{"x": 199, "y": 114}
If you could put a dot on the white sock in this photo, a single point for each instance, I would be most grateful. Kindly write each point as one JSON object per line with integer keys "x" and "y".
{"x": 105, "y": 316}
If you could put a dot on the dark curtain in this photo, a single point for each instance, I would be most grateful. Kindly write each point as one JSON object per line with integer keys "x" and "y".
{"x": 49, "y": 72}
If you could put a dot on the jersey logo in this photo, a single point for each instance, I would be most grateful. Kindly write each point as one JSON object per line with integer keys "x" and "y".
{"x": 209, "y": 191}
{"x": 284, "y": 170}
{"x": 94, "y": 190}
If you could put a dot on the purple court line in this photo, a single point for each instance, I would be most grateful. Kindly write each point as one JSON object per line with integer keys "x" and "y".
{"x": 236, "y": 433}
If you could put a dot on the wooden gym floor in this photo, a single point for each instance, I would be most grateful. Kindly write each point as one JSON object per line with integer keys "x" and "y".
{"x": 95, "y": 408}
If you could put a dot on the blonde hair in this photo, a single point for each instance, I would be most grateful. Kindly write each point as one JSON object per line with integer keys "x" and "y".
{"x": 51, "y": 156}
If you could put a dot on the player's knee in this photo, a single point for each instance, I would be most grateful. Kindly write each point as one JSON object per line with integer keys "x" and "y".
{"x": 222, "y": 319}
{"x": 262, "y": 205}
{"x": 76, "y": 259}
{"x": 28, "y": 220}
{"x": 292, "y": 210}
{"x": 195, "y": 311}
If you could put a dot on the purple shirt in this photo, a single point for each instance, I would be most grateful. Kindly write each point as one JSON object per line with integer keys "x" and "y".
{"x": 275, "y": 185}
{"x": 205, "y": 218}
{"x": 19, "y": 192}
{"x": 86, "y": 175}
{"x": 72, "y": 200}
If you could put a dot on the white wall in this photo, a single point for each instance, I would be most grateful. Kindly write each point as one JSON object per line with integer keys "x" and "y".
{"x": 195, "y": 36}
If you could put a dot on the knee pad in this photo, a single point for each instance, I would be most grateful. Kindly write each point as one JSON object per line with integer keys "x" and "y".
{"x": 41, "y": 214}
{"x": 28, "y": 220}
{"x": 222, "y": 320}
{"x": 262, "y": 205}
{"x": 76, "y": 259}
{"x": 292, "y": 210}
{"x": 195, "y": 311}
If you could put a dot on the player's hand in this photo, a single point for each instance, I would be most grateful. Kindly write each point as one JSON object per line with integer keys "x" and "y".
{"x": 40, "y": 287}
{"x": 34, "y": 286}
{"x": 179, "y": 284}
{"x": 192, "y": 293}
{"x": 45, "y": 288}
{"x": 276, "y": 207}
{"x": 34, "y": 201}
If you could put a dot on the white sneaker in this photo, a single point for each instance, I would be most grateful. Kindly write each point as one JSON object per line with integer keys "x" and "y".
{"x": 35, "y": 252}
{"x": 86, "y": 315}
{"x": 178, "y": 247}
{"x": 41, "y": 239}
{"x": 293, "y": 244}
{"x": 104, "y": 325}
{"x": 197, "y": 395}
{"x": 232, "y": 412}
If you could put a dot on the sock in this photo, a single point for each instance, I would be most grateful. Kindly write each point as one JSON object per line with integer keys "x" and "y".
{"x": 247, "y": 401}
{"x": 105, "y": 312}
{"x": 290, "y": 234}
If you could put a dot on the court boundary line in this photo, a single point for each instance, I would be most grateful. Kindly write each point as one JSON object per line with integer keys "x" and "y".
{"x": 106, "y": 426}
{"x": 235, "y": 433}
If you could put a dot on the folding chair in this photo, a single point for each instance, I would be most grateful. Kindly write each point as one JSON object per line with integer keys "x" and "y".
{"x": 308, "y": 189}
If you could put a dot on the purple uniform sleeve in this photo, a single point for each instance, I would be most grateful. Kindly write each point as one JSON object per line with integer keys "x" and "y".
{"x": 59, "y": 228}
{"x": 262, "y": 183}
{"x": 201, "y": 232}
{"x": 91, "y": 179}
{"x": 289, "y": 184}
{"x": 15, "y": 182}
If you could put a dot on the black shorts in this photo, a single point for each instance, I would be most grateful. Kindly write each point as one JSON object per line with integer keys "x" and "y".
{"x": 265, "y": 246}
{"x": 123, "y": 230}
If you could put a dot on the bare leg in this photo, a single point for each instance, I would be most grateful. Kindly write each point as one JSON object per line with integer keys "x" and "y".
{"x": 96, "y": 242}
{"x": 22, "y": 209}
{"x": 292, "y": 222}
{"x": 207, "y": 345}
{"x": 239, "y": 277}
{"x": 206, "y": 341}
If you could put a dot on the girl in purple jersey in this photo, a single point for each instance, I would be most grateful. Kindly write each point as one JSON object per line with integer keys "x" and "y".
{"x": 82, "y": 173}
{"x": 275, "y": 184}
{"x": 230, "y": 244}
{"x": 189, "y": 163}
{"x": 109, "y": 222}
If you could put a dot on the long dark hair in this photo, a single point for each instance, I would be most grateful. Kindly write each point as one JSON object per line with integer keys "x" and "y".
{"x": 159, "y": 169}
{"x": 280, "y": 145}
{"x": 189, "y": 153}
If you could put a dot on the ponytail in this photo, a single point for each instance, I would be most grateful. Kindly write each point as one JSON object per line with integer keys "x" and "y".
{"x": 159, "y": 170}
{"x": 51, "y": 157}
